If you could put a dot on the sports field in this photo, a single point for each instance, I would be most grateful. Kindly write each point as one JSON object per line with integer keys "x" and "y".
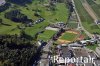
{"x": 68, "y": 36}
{"x": 46, "y": 35}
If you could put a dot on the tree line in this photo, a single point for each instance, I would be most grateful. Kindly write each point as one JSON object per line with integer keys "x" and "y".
{"x": 17, "y": 16}
{"x": 16, "y": 50}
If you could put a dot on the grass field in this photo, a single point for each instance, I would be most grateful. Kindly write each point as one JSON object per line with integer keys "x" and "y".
{"x": 87, "y": 21}
{"x": 72, "y": 24}
{"x": 92, "y": 47}
{"x": 46, "y": 35}
{"x": 61, "y": 14}
{"x": 68, "y": 36}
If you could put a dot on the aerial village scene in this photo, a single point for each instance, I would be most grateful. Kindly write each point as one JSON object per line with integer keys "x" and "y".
{"x": 49, "y": 32}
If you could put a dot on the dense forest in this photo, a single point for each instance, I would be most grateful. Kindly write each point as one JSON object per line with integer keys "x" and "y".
{"x": 16, "y": 50}
{"x": 20, "y": 2}
{"x": 17, "y": 16}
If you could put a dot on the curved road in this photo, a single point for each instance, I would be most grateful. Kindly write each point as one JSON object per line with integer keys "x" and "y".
{"x": 79, "y": 20}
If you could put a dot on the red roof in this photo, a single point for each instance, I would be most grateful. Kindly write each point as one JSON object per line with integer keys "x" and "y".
{"x": 71, "y": 65}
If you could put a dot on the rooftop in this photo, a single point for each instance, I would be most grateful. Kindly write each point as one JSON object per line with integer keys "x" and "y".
{"x": 2, "y": 2}
{"x": 97, "y": 62}
{"x": 89, "y": 64}
{"x": 67, "y": 52}
{"x": 80, "y": 52}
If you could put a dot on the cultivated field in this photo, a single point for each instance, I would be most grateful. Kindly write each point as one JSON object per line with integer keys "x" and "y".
{"x": 87, "y": 21}
{"x": 95, "y": 6}
{"x": 89, "y": 10}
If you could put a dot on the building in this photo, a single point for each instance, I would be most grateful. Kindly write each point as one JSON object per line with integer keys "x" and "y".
{"x": 98, "y": 51}
{"x": 97, "y": 62}
{"x": 75, "y": 45}
{"x": 80, "y": 52}
{"x": 88, "y": 64}
{"x": 2, "y": 2}
{"x": 76, "y": 51}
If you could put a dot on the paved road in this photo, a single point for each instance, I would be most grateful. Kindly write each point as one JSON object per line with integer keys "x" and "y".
{"x": 79, "y": 20}
{"x": 44, "y": 58}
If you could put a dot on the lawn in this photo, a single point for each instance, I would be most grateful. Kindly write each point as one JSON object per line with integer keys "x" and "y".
{"x": 92, "y": 47}
{"x": 46, "y": 35}
{"x": 87, "y": 21}
{"x": 72, "y": 24}
{"x": 61, "y": 14}
{"x": 68, "y": 36}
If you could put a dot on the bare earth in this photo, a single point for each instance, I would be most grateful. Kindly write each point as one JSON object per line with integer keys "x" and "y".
{"x": 74, "y": 32}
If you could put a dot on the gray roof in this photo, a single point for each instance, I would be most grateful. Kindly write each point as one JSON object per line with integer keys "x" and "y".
{"x": 67, "y": 53}
{"x": 80, "y": 52}
{"x": 89, "y": 64}
{"x": 92, "y": 54}
{"x": 97, "y": 62}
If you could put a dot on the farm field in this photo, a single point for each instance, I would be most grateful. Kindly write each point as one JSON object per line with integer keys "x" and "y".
{"x": 87, "y": 21}
{"x": 46, "y": 35}
{"x": 95, "y": 7}
{"x": 10, "y": 27}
